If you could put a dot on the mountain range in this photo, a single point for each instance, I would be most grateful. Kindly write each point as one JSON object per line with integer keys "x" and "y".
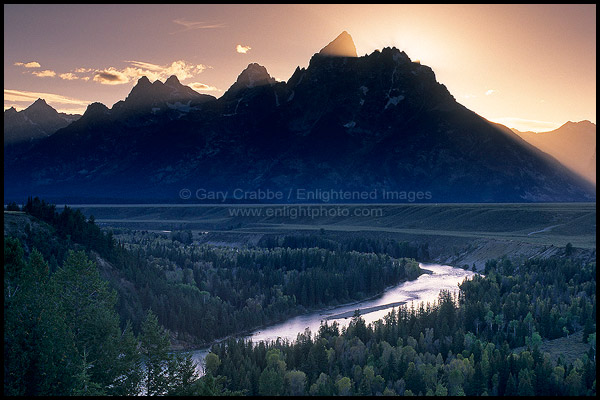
{"x": 37, "y": 121}
{"x": 372, "y": 123}
{"x": 573, "y": 144}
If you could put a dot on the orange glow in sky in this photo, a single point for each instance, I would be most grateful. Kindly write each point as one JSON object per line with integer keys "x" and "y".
{"x": 530, "y": 67}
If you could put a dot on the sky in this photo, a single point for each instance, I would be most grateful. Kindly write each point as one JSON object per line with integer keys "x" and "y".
{"x": 530, "y": 67}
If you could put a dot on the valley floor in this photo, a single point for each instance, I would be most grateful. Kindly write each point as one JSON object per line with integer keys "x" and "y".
{"x": 457, "y": 234}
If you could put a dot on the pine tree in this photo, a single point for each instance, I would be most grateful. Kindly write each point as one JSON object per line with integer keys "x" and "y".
{"x": 129, "y": 364}
{"x": 182, "y": 375}
{"x": 89, "y": 309}
{"x": 155, "y": 347}
{"x": 38, "y": 346}
{"x": 511, "y": 386}
{"x": 525, "y": 383}
{"x": 85, "y": 386}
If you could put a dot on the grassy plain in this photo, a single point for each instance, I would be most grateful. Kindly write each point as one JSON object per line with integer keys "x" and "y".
{"x": 457, "y": 234}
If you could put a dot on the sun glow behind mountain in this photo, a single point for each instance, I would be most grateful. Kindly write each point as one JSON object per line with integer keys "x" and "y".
{"x": 341, "y": 46}
{"x": 511, "y": 62}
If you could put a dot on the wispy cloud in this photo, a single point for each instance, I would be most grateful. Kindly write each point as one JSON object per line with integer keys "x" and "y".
{"x": 23, "y": 95}
{"x": 193, "y": 25}
{"x": 47, "y": 73}
{"x": 242, "y": 49}
{"x": 146, "y": 65}
{"x": 490, "y": 92}
{"x": 32, "y": 64}
{"x": 21, "y": 99}
{"x": 201, "y": 87}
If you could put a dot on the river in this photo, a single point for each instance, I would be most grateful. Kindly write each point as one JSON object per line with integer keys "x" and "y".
{"x": 423, "y": 289}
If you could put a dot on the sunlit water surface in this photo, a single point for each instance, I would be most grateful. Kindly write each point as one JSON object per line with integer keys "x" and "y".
{"x": 425, "y": 288}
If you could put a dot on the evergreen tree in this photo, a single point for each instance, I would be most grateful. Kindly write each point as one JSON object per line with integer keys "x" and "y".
{"x": 182, "y": 375}
{"x": 39, "y": 358}
{"x": 155, "y": 347}
{"x": 89, "y": 309}
{"x": 129, "y": 363}
{"x": 85, "y": 386}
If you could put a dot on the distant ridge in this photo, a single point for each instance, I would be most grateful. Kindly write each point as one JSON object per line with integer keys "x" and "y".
{"x": 37, "y": 121}
{"x": 573, "y": 144}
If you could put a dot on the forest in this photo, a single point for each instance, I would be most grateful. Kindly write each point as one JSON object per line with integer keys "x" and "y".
{"x": 202, "y": 293}
{"x": 86, "y": 313}
{"x": 458, "y": 346}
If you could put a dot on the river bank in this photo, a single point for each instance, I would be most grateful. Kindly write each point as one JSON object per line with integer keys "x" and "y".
{"x": 178, "y": 344}
{"x": 424, "y": 289}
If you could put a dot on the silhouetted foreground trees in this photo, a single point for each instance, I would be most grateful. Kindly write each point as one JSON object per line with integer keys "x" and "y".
{"x": 62, "y": 334}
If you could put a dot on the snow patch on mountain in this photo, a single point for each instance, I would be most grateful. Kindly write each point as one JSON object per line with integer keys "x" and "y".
{"x": 180, "y": 106}
{"x": 394, "y": 101}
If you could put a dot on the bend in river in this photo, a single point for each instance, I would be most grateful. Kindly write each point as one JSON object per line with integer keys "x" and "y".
{"x": 424, "y": 289}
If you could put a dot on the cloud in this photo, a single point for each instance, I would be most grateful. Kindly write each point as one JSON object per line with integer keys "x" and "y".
{"x": 45, "y": 73}
{"x": 192, "y": 25}
{"x": 201, "y": 87}
{"x": 135, "y": 70}
{"x": 111, "y": 76}
{"x": 32, "y": 64}
{"x": 491, "y": 91}
{"x": 181, "y": 69}
{"x": 146, "y": 65}
{"x": 242, "y": 49}
{"x": 59, "y": 102}
{"x": 22, "y": 95}
{"x": 69, "y": 76}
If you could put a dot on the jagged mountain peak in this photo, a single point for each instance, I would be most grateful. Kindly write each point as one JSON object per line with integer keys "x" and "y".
{"x": 143, "y": 81}
{"x": 146, "y": 95}
{"x": 39, "y": 105}
{"x": 37, "y": 121}
{"x": 396, "y": 54}
{"x": 172, "y": 81}
{"x": 95, "y": 109}
{"x": 39, "y": 102}
{"x": 341, "y": 46}
{"x": 255, "y": 75}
